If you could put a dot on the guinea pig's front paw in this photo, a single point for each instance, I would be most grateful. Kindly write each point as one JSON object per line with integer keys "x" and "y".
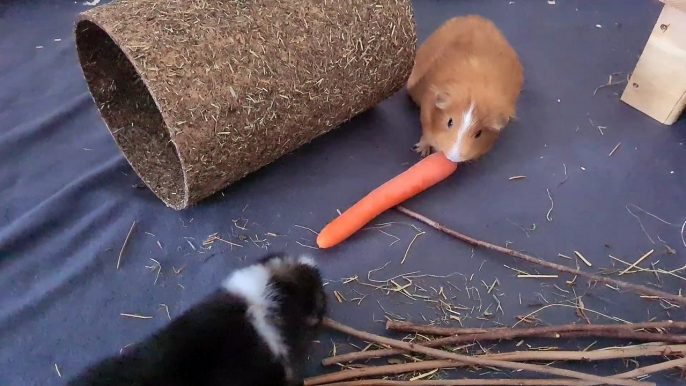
{"x": 422, "y": 147}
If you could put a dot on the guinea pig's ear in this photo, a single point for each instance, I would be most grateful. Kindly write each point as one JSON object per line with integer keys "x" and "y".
{"x": 499, "y": 122}
{"x": 442, "y": 99}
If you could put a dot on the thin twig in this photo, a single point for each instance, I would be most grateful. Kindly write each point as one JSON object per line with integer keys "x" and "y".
{"x": 643, "y": 290}
{"x": 126, "y": 241}
{"x": 475, "y": 361}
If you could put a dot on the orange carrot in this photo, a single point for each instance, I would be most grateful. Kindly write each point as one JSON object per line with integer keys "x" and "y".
{"x": 421, "y": 176}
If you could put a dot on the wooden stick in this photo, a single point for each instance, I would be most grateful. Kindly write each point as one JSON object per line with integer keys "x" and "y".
{"x": 637, "y": 351}
{"x": 478, "y": 361}
{"x": 447, "y": 331}
{"x": 465, "y": 382}
{"x": 643, "y": 290}
{"x": 517, "y": 356}
{"x": 380, "y": 370}
{"x": 569, "y": 331}
{"x": 617, "y": 334}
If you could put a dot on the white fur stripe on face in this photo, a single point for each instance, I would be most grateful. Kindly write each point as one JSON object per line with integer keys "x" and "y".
{"x": 467, "y": 122}
{"x": 252, "y": 284}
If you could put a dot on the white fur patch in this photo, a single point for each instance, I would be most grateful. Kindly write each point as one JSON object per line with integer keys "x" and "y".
{"x": 307, "y": 260}
{"x": 252, "y": 284}
{"x": 467, "y": 122}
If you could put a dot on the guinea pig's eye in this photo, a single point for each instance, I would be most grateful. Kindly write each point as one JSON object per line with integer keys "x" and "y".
{"x": 450, "y": 122}
{"x": 478, "y": 134}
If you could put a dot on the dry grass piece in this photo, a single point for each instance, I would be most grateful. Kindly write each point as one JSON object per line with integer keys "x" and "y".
{"x": 629, "y": 268}
{"x": 531, "y": 276}
{"x": 223, "y": 88}
{"x": 614, "y": 150}
{"x": 126, "y": 241}
{"x": 135, "y": 316}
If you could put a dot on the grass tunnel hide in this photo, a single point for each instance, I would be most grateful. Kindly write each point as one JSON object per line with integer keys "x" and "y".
{"x": 198, "y": 94}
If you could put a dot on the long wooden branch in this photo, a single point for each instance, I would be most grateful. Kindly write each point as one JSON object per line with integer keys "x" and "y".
{"x": 448, "y": 331}
{"x": 517, "y": 356}
{"x": 465, "y": 382}
{"x": 477, "y": 361}
{"x": 639, "y": 289}
{"x": 569, "y": 331}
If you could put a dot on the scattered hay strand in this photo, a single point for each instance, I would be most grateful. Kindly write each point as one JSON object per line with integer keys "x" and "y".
{"x": 471, "y": 360}
{"x": 135, "y": 316}
{"x": 552, "y": 205}
{"x": 126, "y": 241}
{"x": 166, "y": 309}
{"x": 531, "y": 276}
{"x": 610, "y": 82}
{"x": 514, "y": 178}
{"x": 156, "y": 266}
{"x": 306, "y": 228}
{"x": 639, "y": 289}
{"x": 582, "y": 258}
{"x": 57, "y": 369}
{"x": 215, "y": 237}
{"x": 614, "y": 150}
{"x": 649, "y": 214}
{"x": 410, "y": 246}
{"x": 637, "y": 262}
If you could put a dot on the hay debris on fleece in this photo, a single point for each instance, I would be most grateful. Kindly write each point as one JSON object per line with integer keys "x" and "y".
{"x": 198, "y": 94}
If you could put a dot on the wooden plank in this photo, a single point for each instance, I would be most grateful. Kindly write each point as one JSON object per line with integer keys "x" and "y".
{"x": 678, "y": 4}
{"x": 657, "y": 86}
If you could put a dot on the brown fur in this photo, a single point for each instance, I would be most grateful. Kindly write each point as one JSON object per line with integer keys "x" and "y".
{"x": 467, "y": 60}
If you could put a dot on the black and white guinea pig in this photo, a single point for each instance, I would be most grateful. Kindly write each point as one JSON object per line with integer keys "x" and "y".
{"x": 255, "y": 330}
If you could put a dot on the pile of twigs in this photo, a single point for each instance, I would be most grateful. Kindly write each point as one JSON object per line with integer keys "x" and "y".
{"x": 659, "y": 337}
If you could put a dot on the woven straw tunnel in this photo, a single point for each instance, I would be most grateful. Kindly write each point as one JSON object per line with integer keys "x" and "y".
{"x": 199, "y": 93}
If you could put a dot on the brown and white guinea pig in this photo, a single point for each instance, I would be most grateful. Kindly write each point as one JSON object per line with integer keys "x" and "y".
{"x": 466, "y": 80}
{"x": 255, "y": 330}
